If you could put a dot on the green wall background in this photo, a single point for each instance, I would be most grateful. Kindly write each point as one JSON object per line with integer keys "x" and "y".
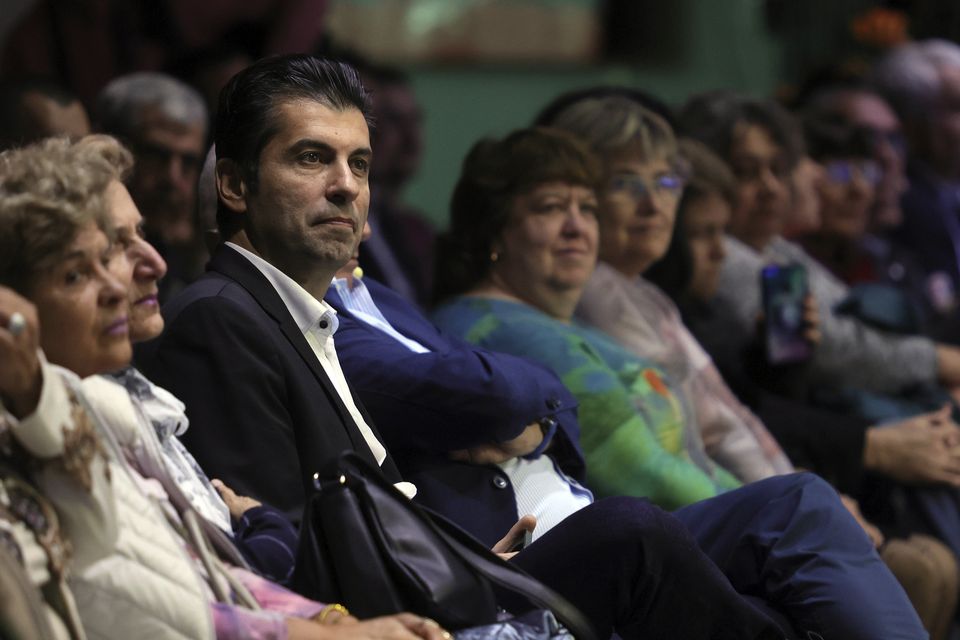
{"x": 723, "y": 43}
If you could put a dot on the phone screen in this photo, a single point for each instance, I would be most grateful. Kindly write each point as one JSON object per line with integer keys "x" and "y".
{"x": 784, "y": 290}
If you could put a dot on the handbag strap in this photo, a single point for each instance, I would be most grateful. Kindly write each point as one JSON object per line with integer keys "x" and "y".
{"x": 481, "y": 559}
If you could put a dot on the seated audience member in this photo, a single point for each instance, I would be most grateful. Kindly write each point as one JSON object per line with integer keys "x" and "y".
{"x": 400, "y": 253}
{"x": 644, "y": 179}
{"x": 264, "y": 536}
{"x": 920, "y": 80}
{"x": 37, "y": 109}
{"x": 857, "y": 104}
{"x": 164, "y": 122}
{"x": 463, "y": 423}
{"x": 848, "y": 451}
{"x": 258, "y": 317}
{"x": 846, "y": 195}
{"x": 879, "y": 256}
{"x": 759, "y": 140}
{"x": 140, "y": 577}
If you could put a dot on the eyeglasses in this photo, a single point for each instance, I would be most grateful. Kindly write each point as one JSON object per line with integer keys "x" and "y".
{"x": 844, "y": 171}
{"x": 636, "y": 187}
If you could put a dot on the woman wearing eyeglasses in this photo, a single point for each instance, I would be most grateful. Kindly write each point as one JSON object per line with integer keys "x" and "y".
{"x": 845, "y": 194}
{"x": 645, "y": 177}
{"x": 887, "y": 287}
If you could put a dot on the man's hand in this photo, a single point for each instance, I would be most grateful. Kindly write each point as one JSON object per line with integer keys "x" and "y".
{"x": 920, "y": 450}
{"x": 514, "y": 537}
{"x": 498, "y": 452}
{"x": 237, "y": 505}
{"x": 21, "y": 379}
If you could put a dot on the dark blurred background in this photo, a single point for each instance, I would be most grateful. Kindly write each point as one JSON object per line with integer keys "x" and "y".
{"x": 477, "y": 66}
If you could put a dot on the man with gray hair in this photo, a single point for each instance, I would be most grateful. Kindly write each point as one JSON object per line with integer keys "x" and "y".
{"x": 164, "y": 122}
{"x": 922, "y": 82}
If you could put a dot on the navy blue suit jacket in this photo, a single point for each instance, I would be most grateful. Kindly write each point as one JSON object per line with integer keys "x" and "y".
{"x": 455, "y": 397}
{"x": 264, "y": 416}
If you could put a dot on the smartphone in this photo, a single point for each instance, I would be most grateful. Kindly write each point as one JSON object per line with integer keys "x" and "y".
{"x": 523, "y": 541}
{"x": 784, "y": 290}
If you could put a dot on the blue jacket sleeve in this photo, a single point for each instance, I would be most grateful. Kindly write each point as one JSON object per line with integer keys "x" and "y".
{"x": 268, "y": 541}
{"x": 455, "y": 396}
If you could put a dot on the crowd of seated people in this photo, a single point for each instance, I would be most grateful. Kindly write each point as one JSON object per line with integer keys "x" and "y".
{"x": 594, "y": 371}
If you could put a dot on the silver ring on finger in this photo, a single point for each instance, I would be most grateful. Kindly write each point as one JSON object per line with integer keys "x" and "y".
{"x": 17, "y": 324}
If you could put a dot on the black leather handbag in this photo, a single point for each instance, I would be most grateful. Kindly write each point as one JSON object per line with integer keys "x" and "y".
{"x": 364, "y": 544}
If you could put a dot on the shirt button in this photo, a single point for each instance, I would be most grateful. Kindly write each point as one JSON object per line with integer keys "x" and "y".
{"x": 324, "y": 324}
{"x": 553, "y": 404}
{"x": 499, "y": 482}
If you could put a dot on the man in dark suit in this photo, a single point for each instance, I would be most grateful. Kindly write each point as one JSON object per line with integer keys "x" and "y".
{"x": 293, "y": 200}
{"x": 453, "y": 414}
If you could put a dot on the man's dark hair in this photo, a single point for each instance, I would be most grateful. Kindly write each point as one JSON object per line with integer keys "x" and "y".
{"x": 246, "y": 116}
{"x": 830, "y": 136}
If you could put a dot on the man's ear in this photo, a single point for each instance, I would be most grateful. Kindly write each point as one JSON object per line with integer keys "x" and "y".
{"x": 231, "y": 187}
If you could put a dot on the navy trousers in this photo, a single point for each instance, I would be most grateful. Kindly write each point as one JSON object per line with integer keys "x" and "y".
{"x": 790, "y": 541}
{"x": 636, "y": 570}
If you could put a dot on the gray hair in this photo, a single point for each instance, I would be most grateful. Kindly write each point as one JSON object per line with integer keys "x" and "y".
{"x": 615, "y": 123}
{"x": 48, "y": 192}
{"x": 121, "y": 103}
{"x": 909, "y": 76}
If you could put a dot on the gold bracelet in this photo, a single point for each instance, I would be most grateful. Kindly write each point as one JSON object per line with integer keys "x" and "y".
{"x": 339, "y": 608}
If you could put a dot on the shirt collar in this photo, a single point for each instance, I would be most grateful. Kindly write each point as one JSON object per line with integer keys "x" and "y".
{"x": 310, "y": 314}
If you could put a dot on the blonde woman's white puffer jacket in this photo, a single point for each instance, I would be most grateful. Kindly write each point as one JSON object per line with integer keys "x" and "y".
{"x": 132, "y": 576}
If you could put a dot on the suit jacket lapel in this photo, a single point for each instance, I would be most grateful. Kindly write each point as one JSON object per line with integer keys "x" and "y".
{"x": 236, "y": 267}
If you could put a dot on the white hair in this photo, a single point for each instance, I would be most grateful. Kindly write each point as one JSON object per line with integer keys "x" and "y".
{"x": 121, "y": 103}
{"x": 909, "y": 76}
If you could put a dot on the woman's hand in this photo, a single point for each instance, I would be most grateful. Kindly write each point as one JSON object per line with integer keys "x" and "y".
{"x": 21, "y": 379}
{"x": 402, "y": 626}
{"x": 237, "y": 505}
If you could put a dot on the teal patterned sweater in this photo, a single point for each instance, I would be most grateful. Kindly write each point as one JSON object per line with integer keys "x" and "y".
{"x": 633, "y": 427}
